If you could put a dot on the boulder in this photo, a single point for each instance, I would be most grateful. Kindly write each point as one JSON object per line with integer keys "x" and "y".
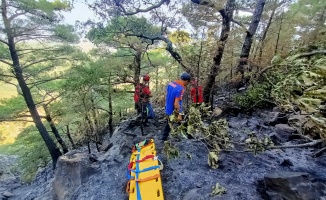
{"x": 276, "y": 138}
{"x": 71, "y": 172}
{"x": 273, "y": 118}
{"x": 106, "y": 145}
{"x": 293, "y": 186}
{"x": 303, "y": 125}
{"x": 6, "y": 174}
{"x": 284, "y": 131}
{"x": 7, "y": 194}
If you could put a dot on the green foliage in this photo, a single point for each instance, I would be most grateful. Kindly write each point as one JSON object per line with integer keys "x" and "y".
{"x": 171, "y": 151}
{"x": 218, "y": 190}
{"x": 119, "y": 29}
{"x": 309, "y": 15}
{"x": 213, "y": 159}
{"x": 299, "y": 81}
{"x": 180, "y": 37}
{"x": 11, "y": 107}
{"x": 257, "y": 145}
{"x": 66, "y": 32}
{"x": 218, "y": 135}
{"x": 254, "y": 96}
{"x": 304, "y": 88}
{"x": 48, "y": 7}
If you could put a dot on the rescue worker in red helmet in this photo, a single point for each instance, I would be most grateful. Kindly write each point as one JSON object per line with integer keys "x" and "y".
{"x": 142, "y": 95}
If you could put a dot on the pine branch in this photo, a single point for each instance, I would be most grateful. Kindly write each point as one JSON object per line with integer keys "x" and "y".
{"x": 6, "y": 62}
{"x": 44, "y": 60}
{"x": 239, "y": 24}
{"x": 9, "y": 76}
{"x": 138, "y": 10}
{"x": 4, "y": 42}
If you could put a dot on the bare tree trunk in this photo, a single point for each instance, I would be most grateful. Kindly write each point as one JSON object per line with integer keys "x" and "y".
{"x": 96, "y": 126}
{"x": 198, "y": 66}
{"x": 321, "y": 23}
{"x": 249, "y": 36}
{"x": 52, "y": 147}
{"x": 55, "y": 130}
{"x": 110, "y": 108}
{"x": 70, "y": 138}
{"x": 278, "y": 34}
{"x": 227, "y": 15}
{"x": 262, "y": 40}
{"x": 156, "y": 81}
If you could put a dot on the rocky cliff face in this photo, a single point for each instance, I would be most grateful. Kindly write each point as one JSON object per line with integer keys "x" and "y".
{"x": 275, "y": 174}
{"x": 9, "y": 179}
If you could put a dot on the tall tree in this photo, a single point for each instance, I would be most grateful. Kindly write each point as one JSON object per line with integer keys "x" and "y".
{"x": 227, "y": 16}
{"x": 31, "y": 20}
{"x": 249, "y": 35}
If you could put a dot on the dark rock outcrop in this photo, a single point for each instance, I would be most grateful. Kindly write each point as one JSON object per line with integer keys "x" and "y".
{"x": 294, "y": 186}
{"x": 71, "y": 172}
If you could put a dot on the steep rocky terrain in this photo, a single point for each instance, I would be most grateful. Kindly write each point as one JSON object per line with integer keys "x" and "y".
{"x": 9, "y": 178}
{"x": 289, "y": 173}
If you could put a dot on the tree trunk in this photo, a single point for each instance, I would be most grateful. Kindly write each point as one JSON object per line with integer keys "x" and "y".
{"x": 110, "y": 108}
{"x": 227, "y": 15}
{"x": 320, "y": 24}
{"x": 262, "y": 40}
{"x": 53, "y": 149}
{"x": 278, "y": 34}
{"x": 156, "y": 81}
{"x": 249, "y": 36}
{"x": 137, "y": 63}
{"x": 70, "y": 138}
{"x": 94, "y": 116}
{"x": 55, "y": 130}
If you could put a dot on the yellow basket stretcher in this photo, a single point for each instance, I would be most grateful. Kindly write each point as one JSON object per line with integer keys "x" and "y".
{"x": 144, "y": 173}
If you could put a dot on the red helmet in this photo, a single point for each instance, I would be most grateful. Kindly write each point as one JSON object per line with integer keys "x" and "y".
{"x": 146, "y": 77}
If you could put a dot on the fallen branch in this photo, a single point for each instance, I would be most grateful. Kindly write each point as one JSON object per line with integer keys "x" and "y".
{"x": 318, "y": 153}
{"x": 309, "y": 144}
{"x": 303, "y": 137}
{"x": 311, "y": 54}
{"x": 264, "y": 70}
{"x": 236, "y": 151}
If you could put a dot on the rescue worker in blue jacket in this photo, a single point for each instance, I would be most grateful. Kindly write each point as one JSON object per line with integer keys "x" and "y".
{"x": 173, "y": 100}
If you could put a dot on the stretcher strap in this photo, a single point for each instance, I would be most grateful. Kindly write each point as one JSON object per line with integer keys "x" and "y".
{"x": 141, "y": 180}
{"x": 137, "y": 184}
{"x": 137, "y": 171}
{"x": 148, "y": 178}
{"x": 138, "y": 161}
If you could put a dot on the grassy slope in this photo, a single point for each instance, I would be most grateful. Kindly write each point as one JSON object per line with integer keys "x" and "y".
{"x": 9, "y": 130}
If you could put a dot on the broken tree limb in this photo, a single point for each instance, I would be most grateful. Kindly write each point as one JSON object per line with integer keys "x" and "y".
{"x": 169, "y": 48}
{"x": 318, "y": 153}
{"x": 309, "y": 144}
{"x": 311, "y": 54}
{"x": 303, "y": 137}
